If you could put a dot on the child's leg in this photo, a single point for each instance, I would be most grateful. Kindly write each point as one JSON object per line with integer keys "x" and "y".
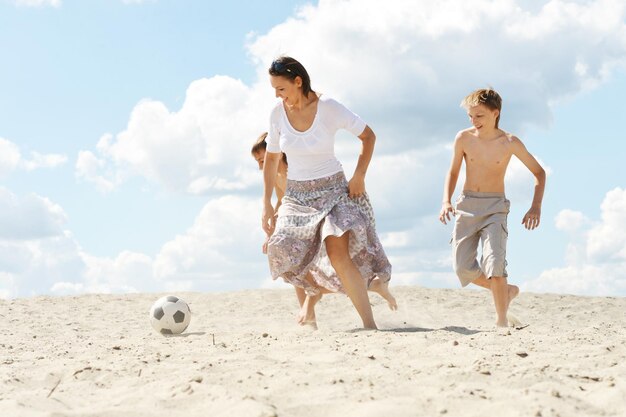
{"x": 307, "y": 313}
{"x": 301, "y": 296}
{"x": 307, "y": 303}
{"x": 493, "y": 263}
{"x": 499, "y": 290}
{"x": 350, "y": 277}
{"x": 513, "y": 290}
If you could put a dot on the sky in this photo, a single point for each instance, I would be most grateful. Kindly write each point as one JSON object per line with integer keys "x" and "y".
{"x": 126, "y": 127}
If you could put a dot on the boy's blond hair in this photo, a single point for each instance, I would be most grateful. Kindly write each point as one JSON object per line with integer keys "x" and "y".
{"x": 488, "y": 97}
{"x": 260, "y": 144}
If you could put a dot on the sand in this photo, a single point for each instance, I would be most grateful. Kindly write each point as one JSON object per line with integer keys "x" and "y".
{"x": 243, "y": 355}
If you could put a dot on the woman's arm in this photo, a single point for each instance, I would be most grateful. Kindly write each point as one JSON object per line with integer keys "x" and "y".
{"x": 356, "y": 185}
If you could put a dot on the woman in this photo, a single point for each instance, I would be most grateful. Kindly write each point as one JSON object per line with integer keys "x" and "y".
{"x": 324, "y": 235}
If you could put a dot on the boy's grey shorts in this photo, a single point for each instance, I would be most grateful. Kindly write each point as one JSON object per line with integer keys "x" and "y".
{"x": 480, "y": 217}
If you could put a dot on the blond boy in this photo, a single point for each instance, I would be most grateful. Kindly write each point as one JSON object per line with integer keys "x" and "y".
{"x": 481, "y": 210}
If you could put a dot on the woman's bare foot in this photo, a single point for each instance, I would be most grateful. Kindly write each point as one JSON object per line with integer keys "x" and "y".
{"x": 382, "y": 289}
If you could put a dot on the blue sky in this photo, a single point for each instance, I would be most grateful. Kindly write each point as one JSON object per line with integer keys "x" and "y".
{"x": 125, "y": 129}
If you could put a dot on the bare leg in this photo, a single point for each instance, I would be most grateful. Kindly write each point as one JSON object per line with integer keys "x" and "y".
{"x": 307, "y": 313}
{"x": 511, "y": 292}
{"x": 301, "y": 295}
{"x": 306, "y": 316}
{"x": 500, "y": 299}
{"x": 350, "y": 277}
{"x": 382, "y": 289}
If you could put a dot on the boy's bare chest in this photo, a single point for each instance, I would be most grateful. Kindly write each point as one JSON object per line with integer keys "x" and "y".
{"x": 493, "y": 155}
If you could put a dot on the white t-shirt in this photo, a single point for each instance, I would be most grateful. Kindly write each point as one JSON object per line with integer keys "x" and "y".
{"x": 311, "y": 154}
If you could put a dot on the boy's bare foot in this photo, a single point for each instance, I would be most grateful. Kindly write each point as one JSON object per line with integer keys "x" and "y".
{"x": 511, "y": 319}
{"x": 382, "y": 289}
{"x": 311, "y": 324}
{"x": 306, "y": 316}
{"x": 513, "y": 292}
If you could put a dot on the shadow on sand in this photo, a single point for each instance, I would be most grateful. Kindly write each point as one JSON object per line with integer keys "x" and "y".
{"x": 186, "y": 334}
{"x": 456, "y": 329}
{"x": 461, "y": 330}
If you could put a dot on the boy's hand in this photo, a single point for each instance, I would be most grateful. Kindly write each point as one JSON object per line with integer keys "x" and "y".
{"x": 264, "y": 248}
{"x": 532, "y": 219}
{"x": 268, "y": 220}
{"x": 444, "y": 214}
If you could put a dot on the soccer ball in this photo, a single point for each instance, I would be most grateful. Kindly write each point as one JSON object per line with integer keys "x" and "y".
{"x": 170, "y": 315}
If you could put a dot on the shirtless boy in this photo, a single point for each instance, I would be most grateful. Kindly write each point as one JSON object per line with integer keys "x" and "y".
{"x": 481, "y": 209}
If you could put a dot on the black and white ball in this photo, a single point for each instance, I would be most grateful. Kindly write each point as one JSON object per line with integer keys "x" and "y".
{"x": 170, "y": 315}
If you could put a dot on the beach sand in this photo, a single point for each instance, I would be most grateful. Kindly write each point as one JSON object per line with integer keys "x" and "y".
{"x": 243, "y": 355}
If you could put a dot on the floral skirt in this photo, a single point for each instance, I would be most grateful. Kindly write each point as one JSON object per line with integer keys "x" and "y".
{"x": 310, "y": 212}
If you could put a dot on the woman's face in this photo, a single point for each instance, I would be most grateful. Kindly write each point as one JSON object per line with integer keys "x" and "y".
{"x": 289, "y": 91}
{"x": 259, "y": 157}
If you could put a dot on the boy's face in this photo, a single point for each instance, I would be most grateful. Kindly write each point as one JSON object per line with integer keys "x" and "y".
{"x": 260, "y": 159}
{"x": 482, "y": 117}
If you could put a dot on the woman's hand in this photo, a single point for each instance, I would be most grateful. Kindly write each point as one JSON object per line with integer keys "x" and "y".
{"x": 356, "y": 186}
{"x": 268, "y": 221}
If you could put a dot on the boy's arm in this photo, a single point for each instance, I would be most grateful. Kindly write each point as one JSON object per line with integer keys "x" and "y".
{"x": 451, "y": 178}
{"x": 532, "y": 218}
{"x": 270, "y": 168}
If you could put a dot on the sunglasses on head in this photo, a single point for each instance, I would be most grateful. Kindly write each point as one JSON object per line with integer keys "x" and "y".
{"x": 280, "y": 68}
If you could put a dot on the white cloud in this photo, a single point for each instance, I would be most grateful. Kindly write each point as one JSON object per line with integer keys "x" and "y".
{"x": 422, "y": 57}
{"x": 29, "y": 217}
{"x": 569, "y": 220}
{"x": 202, "y": 147}
{"x": 7, "y": 285}
{"x": 128, "y": 272}
{"x": 87, "y": 168}
{"x": 596, "y": 18}
{"x": 588, "y": 279}
{"x": 44, "y": 161}
{"x": 38, "y": 263}
{"x": 407, "y": 83}
{"x": 607, "y": 240}
{"x": 37, "y": 3}
{"x": 9, "y": 157}
{"x": 596, "y": 256}
{"x": 222, "y": 250}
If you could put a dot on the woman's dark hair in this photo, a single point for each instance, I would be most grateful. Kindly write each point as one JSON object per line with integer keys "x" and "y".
{"x": 260, "y": 145}
{"x": 288, "y": 67}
